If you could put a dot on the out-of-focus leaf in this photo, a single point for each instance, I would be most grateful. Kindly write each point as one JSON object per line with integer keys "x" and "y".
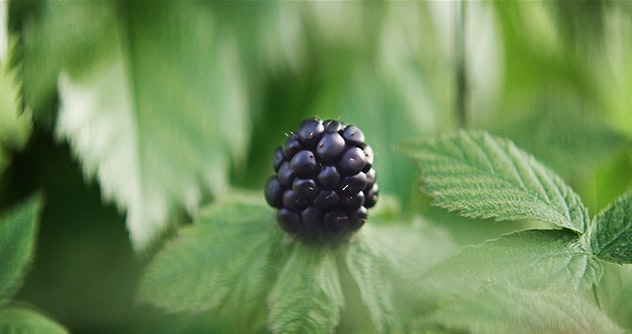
{"x": 15, "y": 128}
{"x": 17, "y": 242}
{"x": 161, "y": 122}
{"x": 503, "y": 308}
{"x": 485, "y": 177}
{"x": 611, "y": 231}
{"x": 307, "y": 297}
{"x": 615, "y": 293}
{"x": 224, "y": 261}
{"x": 15, "y": 320}
{"x": 534, "y": 259}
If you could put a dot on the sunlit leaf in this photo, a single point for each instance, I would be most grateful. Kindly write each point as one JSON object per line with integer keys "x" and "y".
{"x": 160, "y": 123}
{"x": 503, "y": 308}
{"x": 223, "y": 261}
{"x": 15, "y": 320}
{"x": 307, "y": 297}
{"x": 17, "y": 243}
{"x": 484, "y": 177}
{"x": 611, "y": 232}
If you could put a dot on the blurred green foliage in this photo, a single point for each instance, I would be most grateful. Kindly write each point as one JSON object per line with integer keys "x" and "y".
{"x": 202, "y": 92}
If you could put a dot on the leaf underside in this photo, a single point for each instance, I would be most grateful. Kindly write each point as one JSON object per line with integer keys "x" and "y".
{"x": 307, "y": 297}
{"x": 17, "y": 242}
{"x": 220, "y": 262}
{"x": 507, "y": 309}
{"x": 15, "y": 320}
{"x": 485, "y": 177}
{"x": 611, "y": 234}
{"x": 534, "y": 259}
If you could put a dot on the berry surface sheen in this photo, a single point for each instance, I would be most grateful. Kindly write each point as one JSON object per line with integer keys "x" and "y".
{"x": 324, "y": 181}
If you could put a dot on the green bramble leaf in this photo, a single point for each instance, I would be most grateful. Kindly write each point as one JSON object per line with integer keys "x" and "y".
{"x": 534, "y": 259}
{"x": 158, "y": 132}
{"x": 367, "y": 265}
{"x": 224, "y": 260}
{"x": 485, "y": 177}
{"x": 307, "y": 297}
{"x": 611, "y": 231}
{"x": 17, "y": 242}
{"x": 504, "y": 308}
{"x": 17, "y": 320}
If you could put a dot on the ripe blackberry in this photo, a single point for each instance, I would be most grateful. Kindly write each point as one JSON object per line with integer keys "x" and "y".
{"x": 324, "y": 181}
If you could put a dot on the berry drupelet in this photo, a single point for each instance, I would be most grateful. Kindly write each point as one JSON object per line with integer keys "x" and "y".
{"x": 324, "y": 181}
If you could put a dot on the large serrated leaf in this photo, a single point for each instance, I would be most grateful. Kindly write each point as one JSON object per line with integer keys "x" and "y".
{"x": 307, "y": 297}
{"x": 534, "y": 259}
{"x": 611, "y": 231}
{"x": 222, "y": 260}
{"x": 366, "y": 263}
{"x": 506, "y": 309}
{"x": 15, "y": 320}
{"x": 485, "y": 177}
{"x": 17, "y": 242}
{"x": 160, "y": 120}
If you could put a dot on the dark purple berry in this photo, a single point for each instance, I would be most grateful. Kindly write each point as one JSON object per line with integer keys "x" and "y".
{"x": 352, "y": 202}
{"x": 354, "y": 136}
{"x": 292, "y": 145}
{"x": 327, "y": 200}
{"x": 336, "y": 221}
{"x": 352, "y": 161}
{"x": 289, "y": 221}
{"x": 357, "y": 218}
{"x": 313, "y": 221}
{"x": 324, "y": 181}
{"x": 278, "y": 158}
{"x": 274, "y": 192}
{"x": 353, "y": 184}
{"x": 332, "y": 126}
{"x": 371, "y": 196}
{"x": 368, "y": 153}
{"x": 310, "y": 131}
{"x": 285, "y": 175}
{"x": 328, "y": 177}
{"x": 330, "y": 146}
{"x": 293, "y": 202}
{"x": 305, "y": 188}
{"x": 304, "y": 164}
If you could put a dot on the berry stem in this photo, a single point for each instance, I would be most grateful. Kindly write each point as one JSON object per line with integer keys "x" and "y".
{"x": 461, "y": 71}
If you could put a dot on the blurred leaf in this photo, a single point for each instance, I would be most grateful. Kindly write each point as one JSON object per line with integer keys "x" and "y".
{"x": 611, "y": 231}
{"x": 534, "y": 259}
{"x": 615, "y": 293}
{"x": 160, "y": 124}
{"x": 307, "y": 297}
{"x": 17, "y": 242}
{"x": 14, "y": 320}
{"x": 223, "y": 261}
{"x": 484, "y": 177}
{"x": 503, "y": 308}
{"x": 56, "y": 35}
{"x": 15, "y": 128}
{"x": 366, "y": 264}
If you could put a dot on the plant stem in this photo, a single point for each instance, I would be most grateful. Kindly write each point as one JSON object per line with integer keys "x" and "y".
{"x": 461, "y": 74}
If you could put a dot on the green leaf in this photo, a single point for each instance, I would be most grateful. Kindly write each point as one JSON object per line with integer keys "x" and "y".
{"x": 17, "y": 243}
{"x": 159, "y": 122}
{"x": 611, "y": 231}
{"x": 506, "y": 309}
{"x": 307, "y": 297}
{"x": 534, "y": 259}
{"x": 366, "y": 263}
{"x": 223, "y": 260}
{"x": 485, "y": 177}
{"x": 16, "y": 320}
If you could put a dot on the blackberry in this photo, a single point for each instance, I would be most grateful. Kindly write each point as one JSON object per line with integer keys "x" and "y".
{"x": 324, "y": 181}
